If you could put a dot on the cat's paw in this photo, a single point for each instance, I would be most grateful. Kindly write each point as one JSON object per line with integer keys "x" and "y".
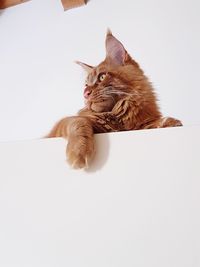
{"x": 170, "y": 122}
{"x": 80, "y": 152}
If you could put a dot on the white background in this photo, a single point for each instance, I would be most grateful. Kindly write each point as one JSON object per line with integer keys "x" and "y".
{"x": 39, "y": 83}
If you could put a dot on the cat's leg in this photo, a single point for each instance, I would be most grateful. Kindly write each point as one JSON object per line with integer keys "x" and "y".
{"x": 81, "y": 147}
{"x": 79, "y": 132}
{"x": 163, "y": 123}
{"x": 60, "y": 128}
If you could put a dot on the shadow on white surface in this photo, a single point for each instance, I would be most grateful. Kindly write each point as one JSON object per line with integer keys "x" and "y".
{"x": 101, "y": 155}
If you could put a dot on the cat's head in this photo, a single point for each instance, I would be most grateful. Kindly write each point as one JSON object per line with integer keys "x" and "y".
{"x": 112, "y": 79}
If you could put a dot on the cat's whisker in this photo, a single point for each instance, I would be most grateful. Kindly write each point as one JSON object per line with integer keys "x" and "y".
{"x": 114, "y": 90}
{"x": 110, "y": 96}
{"x": 102, "y": 97}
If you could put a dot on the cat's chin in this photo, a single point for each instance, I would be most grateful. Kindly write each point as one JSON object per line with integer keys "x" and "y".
{"x": 104, "y": 106}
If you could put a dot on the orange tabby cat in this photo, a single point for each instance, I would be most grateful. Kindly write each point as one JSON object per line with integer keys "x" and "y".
{"x": 118, "y": 97}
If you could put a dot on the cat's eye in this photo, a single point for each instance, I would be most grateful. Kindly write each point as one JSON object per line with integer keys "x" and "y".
{"x": 101, "y": 76}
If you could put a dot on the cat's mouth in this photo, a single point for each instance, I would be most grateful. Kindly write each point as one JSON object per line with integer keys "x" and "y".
{"x": 104, "y": 100}
{"x": 104, "y": 105}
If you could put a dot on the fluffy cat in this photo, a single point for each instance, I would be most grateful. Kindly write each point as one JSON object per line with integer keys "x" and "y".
{"x": 118, "y": 97}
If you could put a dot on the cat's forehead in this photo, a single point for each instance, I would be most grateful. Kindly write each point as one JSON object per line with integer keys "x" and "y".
{"x": 91, "y": 78}
{"x": 93, "y": 75}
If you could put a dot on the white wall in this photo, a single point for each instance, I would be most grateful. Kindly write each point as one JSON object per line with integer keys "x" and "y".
{"x": 39, "y": 83}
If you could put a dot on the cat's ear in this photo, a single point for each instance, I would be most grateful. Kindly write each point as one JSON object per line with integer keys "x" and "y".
{"x": 86, "y": 67}
{"x": 115, "y": 51}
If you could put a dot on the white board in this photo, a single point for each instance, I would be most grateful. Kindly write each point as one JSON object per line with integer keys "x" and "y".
{"x": 138, "y": 204}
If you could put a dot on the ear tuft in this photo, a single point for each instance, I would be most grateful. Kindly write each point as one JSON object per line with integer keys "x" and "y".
{"x": 115, "y": 51}
{"x": 86, "y": 67}
{"x": 108, "y": 32}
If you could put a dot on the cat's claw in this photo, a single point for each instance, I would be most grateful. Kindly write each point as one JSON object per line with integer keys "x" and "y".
{"x": 79, "y": 164}
{"x": 79, "y": 156}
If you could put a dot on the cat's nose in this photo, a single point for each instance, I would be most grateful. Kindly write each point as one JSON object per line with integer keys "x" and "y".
{"x": 87, "y": 92}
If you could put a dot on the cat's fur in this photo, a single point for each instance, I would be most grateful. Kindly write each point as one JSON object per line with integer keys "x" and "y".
{"x": 118, "y": 96}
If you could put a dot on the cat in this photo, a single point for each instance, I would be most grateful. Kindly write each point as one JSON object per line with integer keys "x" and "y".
{"x": 118, "y": 97}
